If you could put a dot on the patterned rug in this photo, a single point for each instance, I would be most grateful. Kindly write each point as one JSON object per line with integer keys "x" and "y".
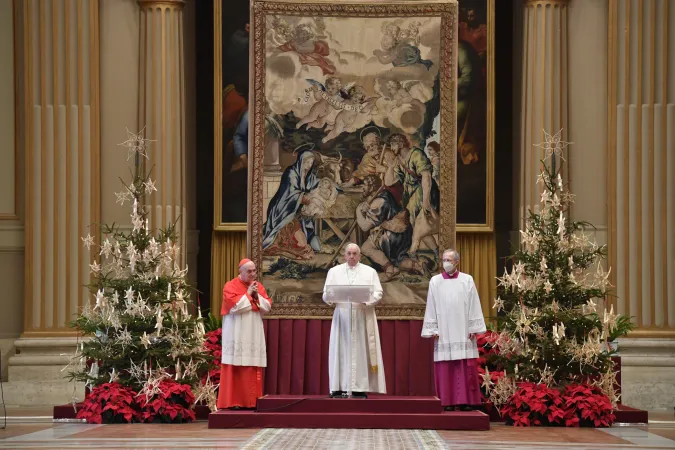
{"x": 345, "y": 439}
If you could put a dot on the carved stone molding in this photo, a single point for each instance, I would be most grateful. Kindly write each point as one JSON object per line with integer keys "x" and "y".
{"x": 546, "y": 2}
{"x": 160, "y": 3}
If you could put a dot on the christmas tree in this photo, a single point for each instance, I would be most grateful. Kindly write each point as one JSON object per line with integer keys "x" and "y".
{"x": 553, "y": 325}
{"x": 145, "y": 344}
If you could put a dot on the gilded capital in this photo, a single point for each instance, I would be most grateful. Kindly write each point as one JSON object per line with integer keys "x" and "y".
{"x": 160, "y": 3}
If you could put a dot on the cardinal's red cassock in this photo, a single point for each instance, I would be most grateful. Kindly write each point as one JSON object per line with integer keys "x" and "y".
{"x": 244, "y": 351}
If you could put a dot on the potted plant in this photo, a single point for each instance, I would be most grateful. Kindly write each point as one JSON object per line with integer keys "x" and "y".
{"x": 623, "y": 326}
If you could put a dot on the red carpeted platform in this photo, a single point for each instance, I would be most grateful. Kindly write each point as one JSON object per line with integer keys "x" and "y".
{"x": 286, "y": 411}
{"x": 375, "y": 404}
{"x": 626, "y": 414}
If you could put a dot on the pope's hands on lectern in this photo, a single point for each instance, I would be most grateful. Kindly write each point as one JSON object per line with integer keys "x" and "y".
{"x": 355, "y": 356}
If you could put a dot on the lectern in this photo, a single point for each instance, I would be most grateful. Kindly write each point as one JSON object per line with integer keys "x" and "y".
{"x": 351, "y": 294}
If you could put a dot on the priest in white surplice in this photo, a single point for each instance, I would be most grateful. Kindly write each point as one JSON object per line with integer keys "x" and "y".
{"x": 364, "y": 372}
{"x": 453, "y": 317}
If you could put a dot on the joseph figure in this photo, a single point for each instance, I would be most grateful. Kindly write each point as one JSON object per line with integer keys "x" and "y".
{"x": 421, "y": 196}
{"x": 354, "y": 355}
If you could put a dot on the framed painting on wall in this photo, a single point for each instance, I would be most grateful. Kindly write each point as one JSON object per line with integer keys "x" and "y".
{"x": 353, "y": 139}
{"x": 475, "y": 116}
{"x": 231, "y": 87}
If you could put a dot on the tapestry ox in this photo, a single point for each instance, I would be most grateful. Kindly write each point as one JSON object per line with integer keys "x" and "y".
{"x": 351, "y": 152}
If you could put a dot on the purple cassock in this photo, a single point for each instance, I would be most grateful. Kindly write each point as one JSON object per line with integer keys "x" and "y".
{"x": 453, "y": 313}
{"x": 457, "y": 382}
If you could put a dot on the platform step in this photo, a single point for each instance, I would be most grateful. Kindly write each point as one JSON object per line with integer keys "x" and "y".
{"x": 450, "y": 420}
{"x": 374, "y": 404}
{"x": 626, "y": 414}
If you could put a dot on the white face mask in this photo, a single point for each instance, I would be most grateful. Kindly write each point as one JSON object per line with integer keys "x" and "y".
{"x": 448, "y": 266}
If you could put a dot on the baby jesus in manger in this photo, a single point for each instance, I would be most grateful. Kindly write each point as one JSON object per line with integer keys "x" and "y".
{"x": 319, "y": 200}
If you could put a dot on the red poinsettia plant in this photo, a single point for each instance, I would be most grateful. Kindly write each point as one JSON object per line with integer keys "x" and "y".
{"x": 575, "y": 405}
{"x": 486, "y": 349}
{"x": 214, "y": 347}
{"x": 539, "y": 405}
{"x": 534, "y": 404}
{"x": 172, "y": 404}
{"x": 593, "y": 407}
{"x": 110, "y": 403}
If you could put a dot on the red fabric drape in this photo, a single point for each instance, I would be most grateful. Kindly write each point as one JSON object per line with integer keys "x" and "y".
{"x": 297, "y": 357}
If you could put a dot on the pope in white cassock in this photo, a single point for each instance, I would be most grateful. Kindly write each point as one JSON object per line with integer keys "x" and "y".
{"x": 453, "y": 317}
{"x": 354, "y": 356}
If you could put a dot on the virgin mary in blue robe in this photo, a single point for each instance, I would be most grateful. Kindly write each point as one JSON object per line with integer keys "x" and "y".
{"x": 296, "y": 180}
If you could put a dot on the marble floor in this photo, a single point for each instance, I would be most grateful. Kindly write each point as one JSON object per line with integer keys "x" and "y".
{"x": 33, "y": 429}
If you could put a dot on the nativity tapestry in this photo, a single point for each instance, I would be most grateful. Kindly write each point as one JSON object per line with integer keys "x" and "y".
{"x": 354, "y": 140}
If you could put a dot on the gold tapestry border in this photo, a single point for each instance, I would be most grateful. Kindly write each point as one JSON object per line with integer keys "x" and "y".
{"x": 286, "y": 311}
{"x": 354, "y": 10}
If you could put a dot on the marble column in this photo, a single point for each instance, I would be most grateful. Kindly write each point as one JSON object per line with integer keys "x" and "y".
{"x": 641, "y": 194}
{"x": 161, "y": 106}
{"x": 59, "y": 64}
{"x": 640, "y": 187}
{"x": 544, "y": 91}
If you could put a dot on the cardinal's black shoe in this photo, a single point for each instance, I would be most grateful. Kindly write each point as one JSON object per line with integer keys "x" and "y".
{"x": 337, "y": 394}
{"x": 359, "y": 395}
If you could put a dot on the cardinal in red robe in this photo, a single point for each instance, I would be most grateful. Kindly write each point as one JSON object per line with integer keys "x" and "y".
{"x": 244, "y": 353}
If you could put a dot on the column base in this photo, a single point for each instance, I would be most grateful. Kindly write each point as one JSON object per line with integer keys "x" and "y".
{"x": 272, "y": 171}
{"x": 41, "y": 393}
{"x": 37, "y": 374}
{"x": 648, "y": 373}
